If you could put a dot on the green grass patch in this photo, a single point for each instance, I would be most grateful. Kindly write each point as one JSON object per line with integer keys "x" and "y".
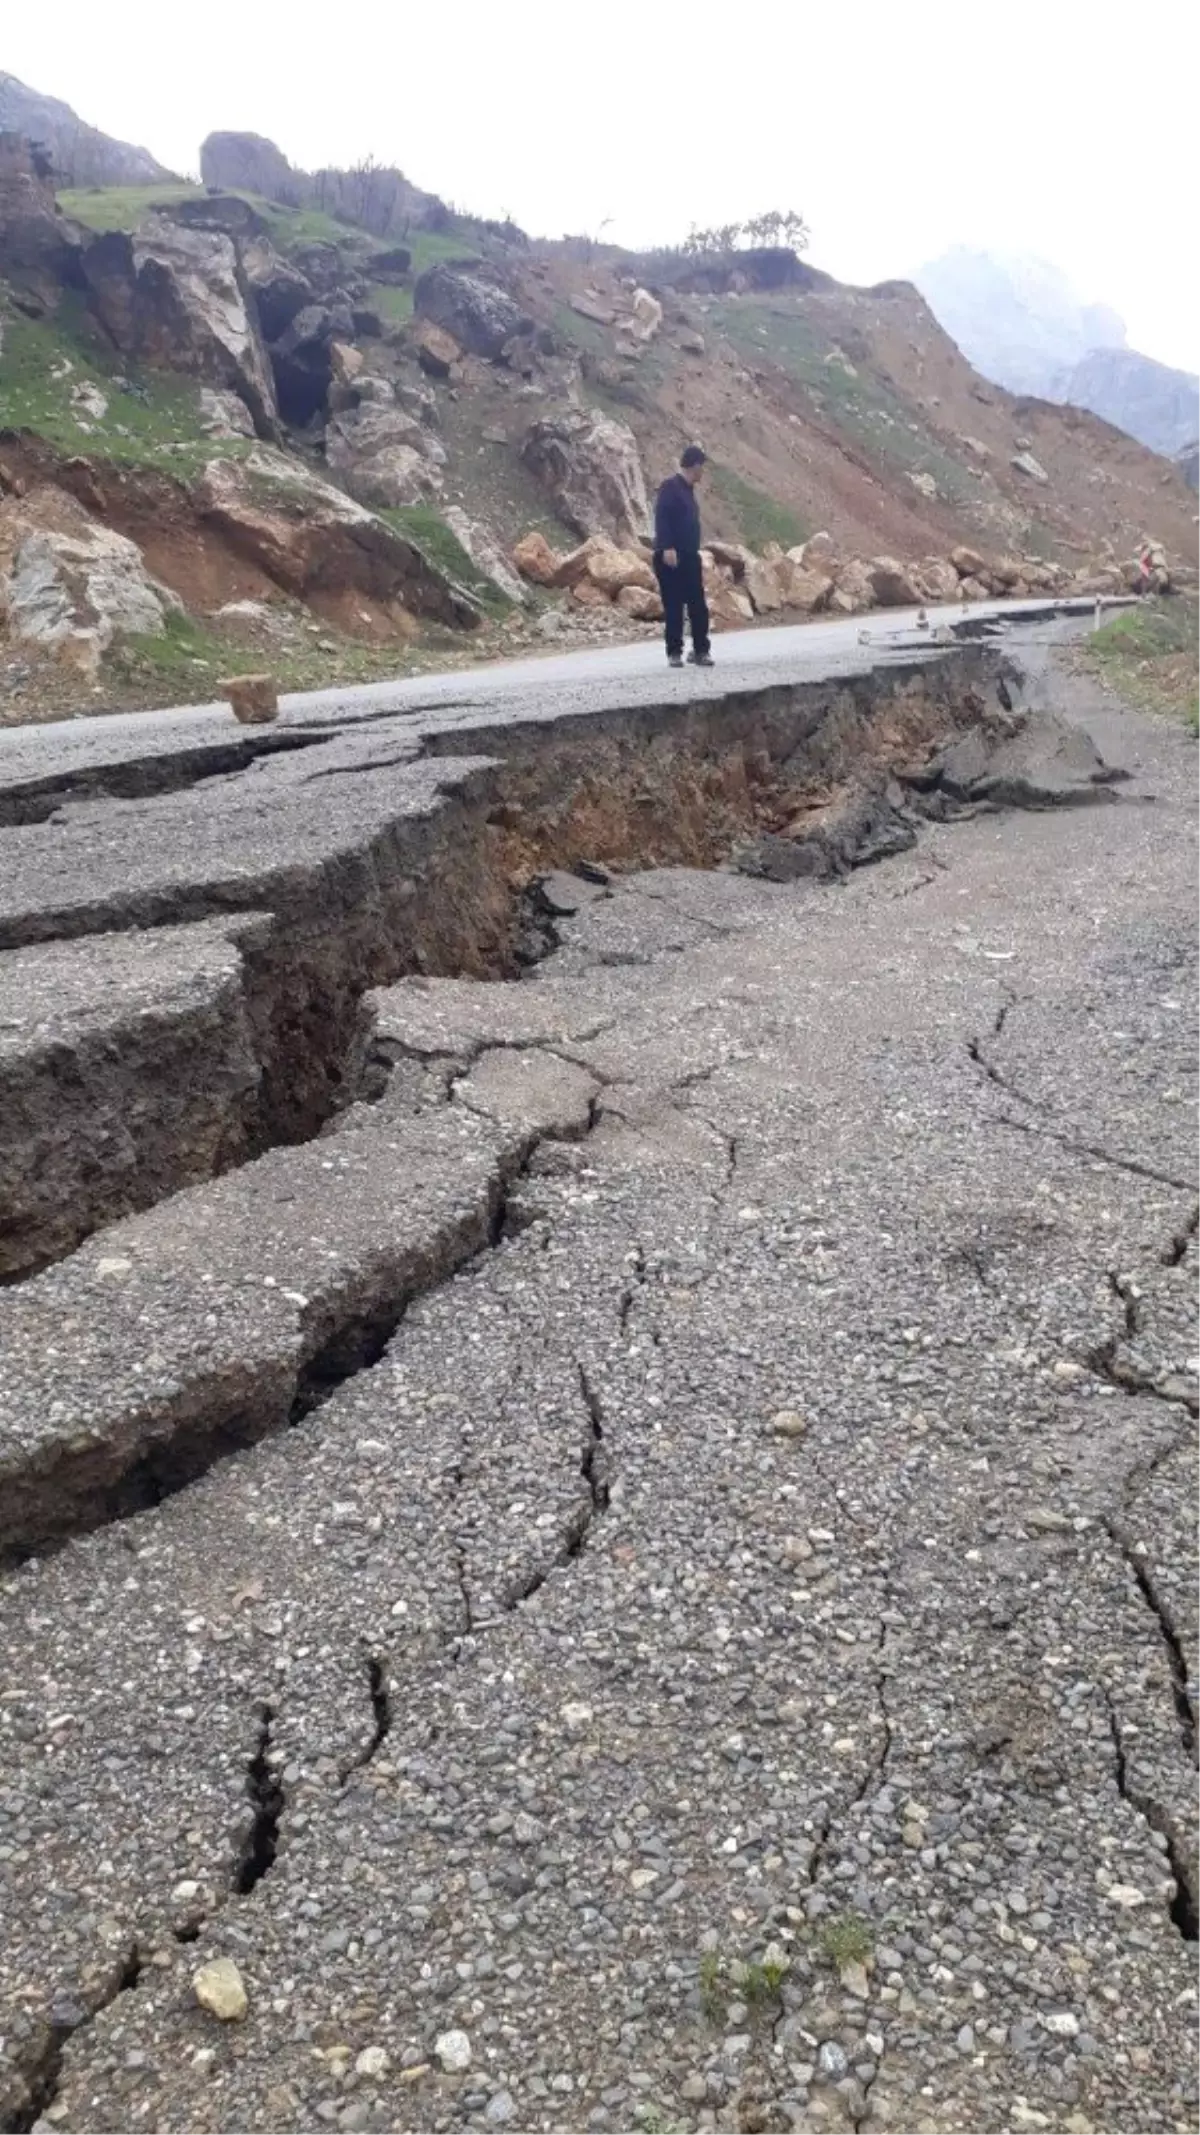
{"x": 1148, "y": 655}
{"x": 122, "y": 207}
{"x": 760, "y": 517}
{"x": 184, "y": 651}
{"x": 152, "y": 418}
{"x": 428, "y": 531}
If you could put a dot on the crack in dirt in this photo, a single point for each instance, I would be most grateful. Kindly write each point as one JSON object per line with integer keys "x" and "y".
{"x": 1183, "y": 1906}
{"x": 636, "y": 1260}
{"x": 44, "y": 2076}
{"x": 873, "y": 1773}
{"x": 1175, "y": 1254}
{"x": 1181, "y": 1692}
{"x": 264, "y": 1789}
{"x": 1074, "y": 1144}
{"x": 379, "y": 1693}
{"x": 1107, "y": 1362}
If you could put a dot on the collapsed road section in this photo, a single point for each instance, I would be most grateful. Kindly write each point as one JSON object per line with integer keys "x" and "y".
{"x": 597, "y": 1521}
{"x": 192, "y": 940}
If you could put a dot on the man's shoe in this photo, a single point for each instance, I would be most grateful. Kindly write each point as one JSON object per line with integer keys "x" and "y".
{"x": 700, "y": 659}
{"x": 674, "y": 659}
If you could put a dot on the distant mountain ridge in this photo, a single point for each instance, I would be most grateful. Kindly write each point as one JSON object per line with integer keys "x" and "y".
{"x": 1152, "y": 402}
{"x": 1019, "y": 322}
{"x": 81, "y": 154}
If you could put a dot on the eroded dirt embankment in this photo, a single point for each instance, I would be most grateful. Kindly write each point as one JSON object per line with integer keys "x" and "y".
{"x": 431, "y": 874}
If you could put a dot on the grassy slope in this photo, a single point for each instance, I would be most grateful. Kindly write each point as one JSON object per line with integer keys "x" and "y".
{"x": 1148, "y": 656}
{"x": 152, "y": 420}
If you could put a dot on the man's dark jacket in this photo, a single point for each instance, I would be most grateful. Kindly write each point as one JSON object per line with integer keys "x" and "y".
{"x": 677, "y": 519}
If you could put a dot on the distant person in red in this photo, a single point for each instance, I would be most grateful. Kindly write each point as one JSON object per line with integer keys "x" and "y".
{"x": 677, "y": 565}
{"x": 1147, "y": 579}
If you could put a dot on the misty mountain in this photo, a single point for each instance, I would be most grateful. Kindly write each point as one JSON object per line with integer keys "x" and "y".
{"x": 1017, "y": 320}
{"x": 81, "y": 154}
{"x": 1020, "y": 323}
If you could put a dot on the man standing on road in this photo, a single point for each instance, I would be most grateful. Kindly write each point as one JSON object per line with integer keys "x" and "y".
{"x": 677, "y": 564}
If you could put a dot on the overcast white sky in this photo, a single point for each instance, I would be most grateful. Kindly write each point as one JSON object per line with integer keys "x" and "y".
{"x": 895, "y": 131}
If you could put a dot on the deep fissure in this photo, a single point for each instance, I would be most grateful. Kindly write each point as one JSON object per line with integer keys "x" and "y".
{"x": 46, "y": 2073}
{"x": 1182, "y": 1907}
{"x": 264, "y": 1790}
{"x": 1181, "y": 1695}
{"x": 380, "y": 1696}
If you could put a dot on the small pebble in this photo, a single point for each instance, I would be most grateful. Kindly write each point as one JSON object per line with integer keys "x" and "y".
{"x": 218, "y": 1988}
{"x": 453, "y": 2051}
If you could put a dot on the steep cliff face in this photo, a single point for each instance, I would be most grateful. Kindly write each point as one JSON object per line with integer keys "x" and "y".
{"x": 80, "y": 154}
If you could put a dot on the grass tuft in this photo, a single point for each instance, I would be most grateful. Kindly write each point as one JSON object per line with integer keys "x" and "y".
{"x": 845, "y": 1939}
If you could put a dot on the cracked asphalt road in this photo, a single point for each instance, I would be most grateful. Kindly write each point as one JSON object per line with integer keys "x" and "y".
{"x": 731, "y": 1656}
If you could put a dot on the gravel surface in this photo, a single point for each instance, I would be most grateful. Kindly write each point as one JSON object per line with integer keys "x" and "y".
{"x": 729, "y": 1661}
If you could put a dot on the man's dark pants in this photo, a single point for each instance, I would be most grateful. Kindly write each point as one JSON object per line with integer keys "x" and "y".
{"x": 682, "y": 586}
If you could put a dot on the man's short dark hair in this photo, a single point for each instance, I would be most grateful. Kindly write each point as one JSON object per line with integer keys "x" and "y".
{"x": 692, "y": 456}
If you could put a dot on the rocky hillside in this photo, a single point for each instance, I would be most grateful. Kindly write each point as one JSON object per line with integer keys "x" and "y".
{"x": 80, "y": 154}
{"x": 237, "y": 430}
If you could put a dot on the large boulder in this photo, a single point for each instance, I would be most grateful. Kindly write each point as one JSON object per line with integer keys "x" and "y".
{"x": 938, "y": 579}
{"x": 729, "y": 605}
{"x": 70, "y": 585}
{"x": 639, "y": 602}
{"x": 39, "y": 249}
{"x": 222, "y": 414}
{"x": 762, "y": 585}
{"x": 854, "y": 590}
{"x": 968, "y": 563}
{"x": 279, "y": 289}
{"x": 385, "y": 457}
{"x": 310, "y": 537}
{"x": 437, "y": 351}
{"x": 249, "y": 163}
{"x": 590, "y": 466}
{"x": 479, "y": 314}
{"x": 893, "y": 585}
{"x": 613, "y": 568}
{"x": 799, "y": 587}
{"x": 536, "y": 560}
{"x": 176, "y": 298}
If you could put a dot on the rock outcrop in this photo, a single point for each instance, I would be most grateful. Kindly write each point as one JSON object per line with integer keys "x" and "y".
{"x": 478, "y": 313}
{"x": 39, "y": 249}
{"x": 309, "y": 537}
{"x": 249, "y": 163}
{"x": 70, "y": 585}
{"x": 384, "y": 456}
{"x": 176, "y": 298}
{"x": 589, "y": 465}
